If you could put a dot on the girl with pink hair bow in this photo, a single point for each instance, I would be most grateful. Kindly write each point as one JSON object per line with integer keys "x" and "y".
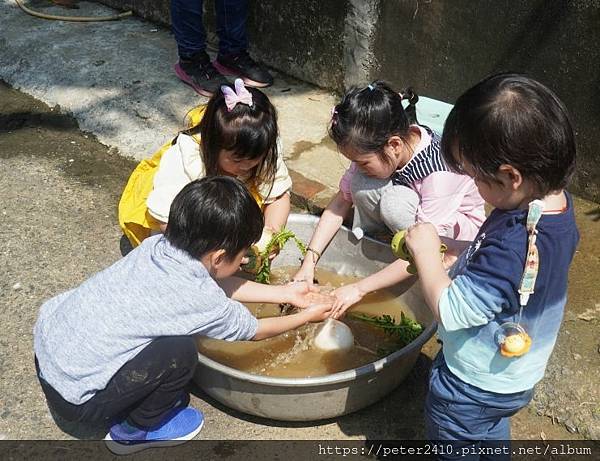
{"x": 235, "y": 134}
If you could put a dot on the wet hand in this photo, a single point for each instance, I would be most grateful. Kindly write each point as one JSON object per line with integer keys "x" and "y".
{"x": 300, "y": 294}
{"x": 345, "y": 297}
{"x": 320, "y": 311}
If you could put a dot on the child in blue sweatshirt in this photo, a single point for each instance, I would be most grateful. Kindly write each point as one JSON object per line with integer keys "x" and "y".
{"x": 513, "y": 136}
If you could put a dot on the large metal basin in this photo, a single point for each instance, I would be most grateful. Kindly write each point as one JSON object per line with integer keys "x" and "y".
{"x": 307, "y": 399}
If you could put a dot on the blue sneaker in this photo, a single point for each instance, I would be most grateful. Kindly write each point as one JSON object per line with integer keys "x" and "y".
{"x": 178, "y": 426}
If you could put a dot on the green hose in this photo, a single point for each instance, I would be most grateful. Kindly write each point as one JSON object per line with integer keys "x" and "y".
{"x": 72, "y": 18}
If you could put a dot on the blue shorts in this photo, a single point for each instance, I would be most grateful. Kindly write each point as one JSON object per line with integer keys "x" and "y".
{"x": 458, "y": 411}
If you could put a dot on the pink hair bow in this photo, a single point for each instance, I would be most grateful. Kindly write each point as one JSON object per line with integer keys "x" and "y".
{"x": 241, "y": 94}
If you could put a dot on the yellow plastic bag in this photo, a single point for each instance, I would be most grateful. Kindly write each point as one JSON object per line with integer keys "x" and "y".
{"x": 134, "y": 219}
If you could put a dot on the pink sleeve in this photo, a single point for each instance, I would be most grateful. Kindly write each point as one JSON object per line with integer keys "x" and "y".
{"x": 346, "y": 182}
{"x": 443, "y": 197}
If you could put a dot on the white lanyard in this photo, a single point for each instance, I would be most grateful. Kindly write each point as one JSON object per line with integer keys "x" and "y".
{"x": 532, "y": 260}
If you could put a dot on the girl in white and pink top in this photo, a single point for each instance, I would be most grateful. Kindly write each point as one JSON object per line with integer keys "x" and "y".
{"x": 397, "y": 178}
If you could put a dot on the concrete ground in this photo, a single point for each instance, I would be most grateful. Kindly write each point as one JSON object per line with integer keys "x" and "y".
{"x": 116, "y": 78}
{"x": 59, "y": 188}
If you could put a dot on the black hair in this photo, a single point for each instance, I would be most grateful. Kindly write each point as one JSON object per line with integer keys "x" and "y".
{"x": 214, "y": 213}
{"x": 366, "y": 118}
{"x": 509, "y": 118}
{"x": 250, "y": 132}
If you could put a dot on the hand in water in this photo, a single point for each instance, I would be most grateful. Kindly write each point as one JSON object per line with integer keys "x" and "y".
{"x": 316, "y": 297}
{"x": 318, "y": 312}
{"x": 345, "y": 297}
{"x": 301, "y": 294}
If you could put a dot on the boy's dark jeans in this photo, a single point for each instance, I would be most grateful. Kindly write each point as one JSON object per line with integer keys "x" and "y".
{"x": 143, "y": 390}
{"x": 465, "y": 418}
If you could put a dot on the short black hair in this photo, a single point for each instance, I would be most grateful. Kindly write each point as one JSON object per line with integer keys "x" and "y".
{"x": 214, "y": 213}
{"x": 509, "y": 118}
{"x": 366, "y": 118}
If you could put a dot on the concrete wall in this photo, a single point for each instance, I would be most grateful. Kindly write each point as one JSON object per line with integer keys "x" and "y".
{"x": 443, "y": 47}
{"x": 438, "y": 47}
{"x": 300, "y": 37}
{"x": 153, "y": 10}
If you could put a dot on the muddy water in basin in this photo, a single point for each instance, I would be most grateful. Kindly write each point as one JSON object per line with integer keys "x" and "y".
{"x": 292, "y": 354}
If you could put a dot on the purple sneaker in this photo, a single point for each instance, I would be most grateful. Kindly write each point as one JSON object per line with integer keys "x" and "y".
{"x": 177, "y": 427}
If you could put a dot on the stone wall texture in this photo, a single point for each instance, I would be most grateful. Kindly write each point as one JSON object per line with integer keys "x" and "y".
{"x": 443, "y": 47}
{"x": 439, "y": 47}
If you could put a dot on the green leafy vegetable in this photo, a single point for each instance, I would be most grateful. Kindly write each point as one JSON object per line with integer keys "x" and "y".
{"x": 403, "y": 333}
{"x": 278, "y": 240}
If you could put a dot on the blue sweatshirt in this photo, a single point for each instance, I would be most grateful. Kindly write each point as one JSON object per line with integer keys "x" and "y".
{"x": 484, "y": 294}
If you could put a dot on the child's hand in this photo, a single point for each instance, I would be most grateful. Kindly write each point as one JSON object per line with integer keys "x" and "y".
{"x": 274, "y": 252}
{"x": 422, "y": 238}
{"x": 300, "y": 294}
{"x": 449, "y": 259}
{"x": 345, "y": 297}
{"x": 267, "y": 235}
{"x": 454, "y": 250}
{"x": 316, "y": 297}
{"x": 318, "y": 312}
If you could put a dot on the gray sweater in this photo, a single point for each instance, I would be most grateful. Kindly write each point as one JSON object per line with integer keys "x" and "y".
{"x": 82, "y": 337}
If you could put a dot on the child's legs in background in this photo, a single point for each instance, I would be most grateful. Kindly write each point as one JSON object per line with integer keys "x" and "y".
{"x": 143, "y": 390}
{"x": 469, "y": 417}
{"x": 381, "y": 206}
{"x": 231, "y": 26}
{"x": 188, "y": 27}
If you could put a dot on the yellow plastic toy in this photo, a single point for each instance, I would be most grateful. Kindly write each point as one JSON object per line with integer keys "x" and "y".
{"x": 516, "y": 345}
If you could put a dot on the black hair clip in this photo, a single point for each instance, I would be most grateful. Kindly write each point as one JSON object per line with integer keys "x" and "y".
{"x": 409, "y": 95}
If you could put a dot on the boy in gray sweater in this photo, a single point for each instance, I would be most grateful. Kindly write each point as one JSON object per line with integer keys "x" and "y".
{"x": 119, "y": 347}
